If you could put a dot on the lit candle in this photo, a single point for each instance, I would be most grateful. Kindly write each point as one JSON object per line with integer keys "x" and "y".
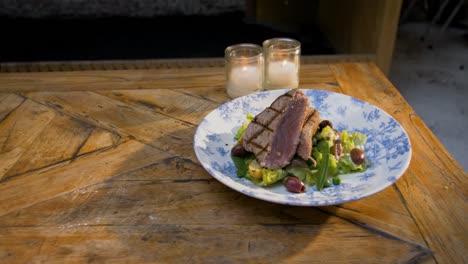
{"x": 282, "y": 60}
{"x": 282, "y": 74}
{"x": 244, "y": 69}
{"x": 243, "y": 80}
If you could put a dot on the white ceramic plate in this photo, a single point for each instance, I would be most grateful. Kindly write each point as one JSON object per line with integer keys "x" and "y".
{"x": 387, "y": 148}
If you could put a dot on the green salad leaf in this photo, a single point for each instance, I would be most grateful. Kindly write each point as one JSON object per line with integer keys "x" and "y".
{"x": 242, "y": 164}
{"x": 269, "y": 177}
{"x": 354, "y": 140}
{"x": 242, "y": 129}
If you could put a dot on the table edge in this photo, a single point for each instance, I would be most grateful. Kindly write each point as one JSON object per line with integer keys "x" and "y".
{"x": 109, "y": 65}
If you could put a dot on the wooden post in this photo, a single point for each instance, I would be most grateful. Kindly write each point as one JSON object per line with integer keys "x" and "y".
{"x": 352, "y": 27}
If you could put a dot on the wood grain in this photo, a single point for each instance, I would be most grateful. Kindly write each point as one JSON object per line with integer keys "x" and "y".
{"x": 189, "y": 243}
{"x": 8, "y": 102}
{"x": 173, "y": 193}
{"x": 383, "y": 211}
{"x": 174, "y": 136}
{"x": 19, "y": 130}
{"x": 114, "y": 80}
{"x": 99, "y": 139}
{"x": 169, "y": 103}
{"x": 181, "y": 78}
{"x": 437, "y": 203}
{"x": 59, "y": 141}
{"x": 27, "y": 190}
{"x": 360, "y": 26}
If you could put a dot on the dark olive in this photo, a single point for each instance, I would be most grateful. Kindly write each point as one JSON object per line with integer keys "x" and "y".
{"x": 294, "y": 185}
{"x": 358, "y": 156}
{"x": 325, "y": 123}
{"x": 238, "y": 150}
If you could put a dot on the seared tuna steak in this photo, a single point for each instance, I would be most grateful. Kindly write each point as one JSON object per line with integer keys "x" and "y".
{"x": 259, "y": 133}
{"x": 281, "y": 130}
{"x": 308, "y": 130}
{"x": 286, "y": 135}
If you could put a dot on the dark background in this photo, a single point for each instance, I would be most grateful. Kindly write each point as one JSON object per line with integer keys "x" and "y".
{"x": 126, "y": 38}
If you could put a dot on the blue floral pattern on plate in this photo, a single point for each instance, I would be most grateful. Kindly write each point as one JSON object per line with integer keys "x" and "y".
{"x": 388, "y": 147}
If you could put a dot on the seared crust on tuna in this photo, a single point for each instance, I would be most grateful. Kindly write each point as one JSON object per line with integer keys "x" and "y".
{"x": 258, "y": 135}
{"x": 310, "y": 127}
{"x": 281, "y": 130}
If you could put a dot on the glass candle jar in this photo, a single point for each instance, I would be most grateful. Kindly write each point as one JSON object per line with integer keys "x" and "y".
{"x": 244, "y": 69}
{"x": 282, "y": 61}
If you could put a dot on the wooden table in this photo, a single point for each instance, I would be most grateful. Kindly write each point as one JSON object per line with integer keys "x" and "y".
{"x": 98, "y": 166}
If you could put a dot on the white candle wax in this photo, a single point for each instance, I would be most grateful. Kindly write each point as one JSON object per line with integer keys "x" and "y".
{"x": 244, "y": 80}
{"x": 282, "y": 74}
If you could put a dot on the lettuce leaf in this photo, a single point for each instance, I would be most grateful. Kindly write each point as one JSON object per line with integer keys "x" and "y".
{"x": 241, "y": 130}
{"x": 272, "y": 176}
{"x": 346, "y": 165}
{"x": 301, "y": 173}
{"x": 354, "y": 140}
{"x": 242, "y": 164}
{"x": 327, "y": 134}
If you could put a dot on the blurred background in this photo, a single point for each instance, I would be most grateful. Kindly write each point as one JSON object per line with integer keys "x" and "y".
{"x": 421, "y": 45}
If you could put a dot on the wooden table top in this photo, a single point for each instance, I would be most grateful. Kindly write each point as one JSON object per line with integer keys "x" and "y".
{"x": 99, "y": 166}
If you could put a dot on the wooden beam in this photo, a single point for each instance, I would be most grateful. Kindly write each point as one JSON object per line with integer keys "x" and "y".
{"x": 362, "y": 26}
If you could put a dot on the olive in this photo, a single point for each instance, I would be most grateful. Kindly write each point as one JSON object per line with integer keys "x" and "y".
{"x": 325, "y": 123}
{"x": 294, "y": 185}
{"x": 238, "y": 150}
{"x": 358, "y": 156}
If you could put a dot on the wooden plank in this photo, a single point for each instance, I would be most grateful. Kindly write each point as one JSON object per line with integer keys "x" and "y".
{"x": 219, "y": 95}
{"x": 8, "y": 102}
{"x": 361, "y": 26}
{"x": 314, "y": 71}
{"x": 29, "y": 189}
{"x": 162, "y": 202}
{"x": 310, "y": 74}
{"x": 178, "y": 191}
{"x": 19, "y": 130}
{"x": 48, "y": 66}
{"x": 215, "y": 94}
{"x": 388, "y": 19}
{"x": 114, "y": 79}
{"x": 111, "y": 201}
{"x": 173, "y": 243}
{"x": 318, "y": 76}
{"x": 59, "y": 141}
{"x": 168, "y": 102}
{"x": 383, "y": 211}
{"x": 435, "y": 186}
{"x": 99, "y": 139}
{"x": 165, "y": 133}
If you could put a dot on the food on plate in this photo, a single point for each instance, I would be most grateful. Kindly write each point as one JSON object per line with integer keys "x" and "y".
{"x": 289, "y": 141}
{"x": 295, "y": 185}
